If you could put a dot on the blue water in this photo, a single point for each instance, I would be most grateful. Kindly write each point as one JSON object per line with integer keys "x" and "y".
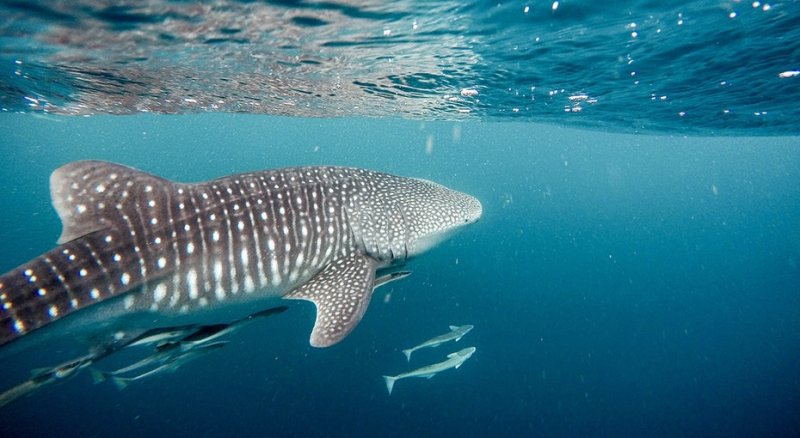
{"x": 639, "y": 278}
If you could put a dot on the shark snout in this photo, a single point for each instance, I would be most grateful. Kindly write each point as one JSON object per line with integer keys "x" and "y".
{"x": 474, "y": 210}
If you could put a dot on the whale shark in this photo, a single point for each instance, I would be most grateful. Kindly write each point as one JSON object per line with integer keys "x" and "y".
{"x": 455, "y": 334}
{"x": 454, "y": 360}
{"x": 138, "y": 251}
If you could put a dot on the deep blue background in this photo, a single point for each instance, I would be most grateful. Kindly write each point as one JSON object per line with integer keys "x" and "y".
{"x": 619, "y": 285}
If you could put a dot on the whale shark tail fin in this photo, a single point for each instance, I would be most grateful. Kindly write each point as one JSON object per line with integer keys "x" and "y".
{"x": 389, "y": 383}
{"x": 408, "y": 353}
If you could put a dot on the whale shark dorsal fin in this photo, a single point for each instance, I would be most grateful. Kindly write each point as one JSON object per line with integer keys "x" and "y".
{"x": 454, "y": 327}
{"x": 452, "y": 355}
{"x": 85, "y": 194}
{"x": 341, "y": 292}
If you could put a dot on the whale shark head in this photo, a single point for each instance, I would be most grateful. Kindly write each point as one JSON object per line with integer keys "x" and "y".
{"x": 443, "y": 212}
{"x": 404, "y": 217}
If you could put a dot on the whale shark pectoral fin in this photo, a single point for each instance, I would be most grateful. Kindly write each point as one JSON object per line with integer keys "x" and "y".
{"x": 341, "y": 292}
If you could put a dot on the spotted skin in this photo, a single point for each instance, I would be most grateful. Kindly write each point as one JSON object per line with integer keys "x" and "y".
{"x": 314, "y": 233}
{"x": 346, "y": 286}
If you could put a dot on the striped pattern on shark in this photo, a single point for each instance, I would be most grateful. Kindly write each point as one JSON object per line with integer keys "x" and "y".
{"x": 166, "y": 248}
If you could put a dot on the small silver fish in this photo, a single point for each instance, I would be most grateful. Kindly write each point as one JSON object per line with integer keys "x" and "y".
{"x": 171, "y": 364}
{"x": 46, "y": 376}
{"x": 455, "y": 334}
{"x": 163, "y": 354}
{"x": 210, "y": 332}
{"x": 454, "y": 360}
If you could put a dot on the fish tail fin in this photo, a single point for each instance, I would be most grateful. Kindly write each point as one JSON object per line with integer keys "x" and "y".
{"x": 98, "y": 376}
{"x": 408, "y": 353}
{"x": 121, "y": 382}
{"x": 389, "y": 383}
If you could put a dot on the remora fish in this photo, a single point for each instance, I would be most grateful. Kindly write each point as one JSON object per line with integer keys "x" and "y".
{"x": 210, "y": 332}
{"x": 138, "y": 251}
{"x": 163, "y": 354}
{"x": 161, "y": 336}
{"x": 454, "y": 360}
{"x": 174, "y": 346}
{"x": 44, "y": 377}
{"x": 203, "y": 334}
{"x": 455, "y": 334}
{"x": 170, "y": 365}
{"x": 390, "y": 277}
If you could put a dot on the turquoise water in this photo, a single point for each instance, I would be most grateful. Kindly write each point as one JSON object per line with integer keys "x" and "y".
{"x": 618, "y": 284}
{"x": 636, "y": 271}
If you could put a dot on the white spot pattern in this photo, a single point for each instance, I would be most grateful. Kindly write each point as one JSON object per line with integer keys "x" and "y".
{"x": 283, "y": 232}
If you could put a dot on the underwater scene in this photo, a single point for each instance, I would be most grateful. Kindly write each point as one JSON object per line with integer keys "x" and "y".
{"x": 411, "y": 218}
